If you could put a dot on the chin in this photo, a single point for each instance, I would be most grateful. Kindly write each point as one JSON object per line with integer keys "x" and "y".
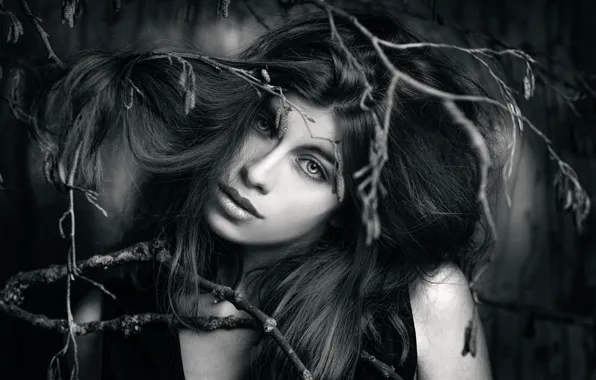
{"x": 234, "y": 232}
{"x": 253, "y": 232}
{"x": 223, "y": 227}
{"x": 240, "y": 234}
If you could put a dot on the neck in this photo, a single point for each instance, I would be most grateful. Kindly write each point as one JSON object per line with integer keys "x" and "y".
{"x": 255, "y": 257}
{"x": 259, "y": 256}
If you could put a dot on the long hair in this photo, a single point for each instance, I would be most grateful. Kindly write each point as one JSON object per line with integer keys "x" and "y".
{"x": 329, "y": 297}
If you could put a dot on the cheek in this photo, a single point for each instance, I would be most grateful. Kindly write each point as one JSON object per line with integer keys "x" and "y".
{"x": 307, "y": 205}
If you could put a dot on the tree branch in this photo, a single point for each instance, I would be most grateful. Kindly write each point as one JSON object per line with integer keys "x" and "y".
{"x": 42, "y": 34}
{"x": 12, "y": 296}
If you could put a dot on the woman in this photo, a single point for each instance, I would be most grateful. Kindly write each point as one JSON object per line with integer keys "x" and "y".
{"x": 263, "y": 208}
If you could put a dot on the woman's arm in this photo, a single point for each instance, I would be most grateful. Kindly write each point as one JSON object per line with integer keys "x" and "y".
{"x": 442, "y": 309}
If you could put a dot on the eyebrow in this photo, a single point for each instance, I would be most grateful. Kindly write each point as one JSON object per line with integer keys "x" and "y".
{"x": 328, "y": 155}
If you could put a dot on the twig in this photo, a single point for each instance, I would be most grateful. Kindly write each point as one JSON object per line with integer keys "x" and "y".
{"x": 15, "y": 29}
{"x": 128, "y": 324}
{"x": 12, "y": 296}
{"x": 255, "y": 14}
{"x": 18, "y": 283}
{"x": 446, "y": 96}
{"x": 369, "y": 214}
{"x": 583, "y": 81}
{"x": 479, "y": 145}
{"x": 581, "y": 204}
{"x": 537, "y": 312}
{"x": 544, "y": 74}
{"x": 16, "y": 111}
{"x": 70, "y": 212}
{"x": 72, "y": 271}
{"x": 387, "y": 371}
{"x": 268, "y": 324}
{"x": 398, "y": 74}
{"x": 241, "y": 73}
{"x": 42, "y": 34}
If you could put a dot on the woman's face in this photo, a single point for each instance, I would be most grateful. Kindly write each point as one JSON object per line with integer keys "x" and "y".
{"x": 279, "y": 190}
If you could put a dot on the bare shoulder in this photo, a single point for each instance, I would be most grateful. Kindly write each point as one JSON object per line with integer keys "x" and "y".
{"x": 447, "y": 289}
{"x": 442, "y": 307}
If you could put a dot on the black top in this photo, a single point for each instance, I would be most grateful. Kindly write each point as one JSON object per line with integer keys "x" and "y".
{"x": 154, "y": 352}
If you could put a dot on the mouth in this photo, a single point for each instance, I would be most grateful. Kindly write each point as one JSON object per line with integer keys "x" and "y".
{"x": 240, "y": 200}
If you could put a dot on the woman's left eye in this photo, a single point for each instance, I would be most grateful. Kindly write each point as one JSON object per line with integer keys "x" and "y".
{"x": 312, "y": 169}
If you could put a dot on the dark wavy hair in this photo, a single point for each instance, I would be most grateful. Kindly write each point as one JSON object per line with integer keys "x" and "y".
{"x": 429, "y": 216}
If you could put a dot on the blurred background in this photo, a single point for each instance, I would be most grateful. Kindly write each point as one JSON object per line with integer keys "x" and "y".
{"x": 541, "y": 261}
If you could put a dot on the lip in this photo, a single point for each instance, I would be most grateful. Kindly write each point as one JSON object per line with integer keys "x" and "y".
{"x": 240, "y": 200}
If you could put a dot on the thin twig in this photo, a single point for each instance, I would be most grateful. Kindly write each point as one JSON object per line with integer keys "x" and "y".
{"x": 71, "y": 269}
{"x": 446, "y": 96}
{"x": 12, "y": 292}
{"x": 386, "y": 371}
{"x": 481, "y": 149}
{"x": 18, "y": 114}
{"x": 581, "y": 207}
{"x": 536, "y": 312}
{"x": 42, "y": 34}
{"x": 543, "y": 72}
{"x": 256, "y": 15}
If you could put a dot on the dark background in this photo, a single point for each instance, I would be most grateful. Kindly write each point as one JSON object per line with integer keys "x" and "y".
{"x": 540, "y": 259}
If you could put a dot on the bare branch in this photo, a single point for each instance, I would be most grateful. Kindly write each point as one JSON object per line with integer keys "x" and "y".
{"x": 36, "y": 21}
{"x": 12, "y": 296}
{"x": 545, "y": 75}
{"x": 128, "y": 324}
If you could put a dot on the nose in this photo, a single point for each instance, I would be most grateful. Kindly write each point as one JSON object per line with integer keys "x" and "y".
{"x": 258, "y": 173}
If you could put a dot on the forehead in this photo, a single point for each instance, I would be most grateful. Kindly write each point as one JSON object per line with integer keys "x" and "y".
{"x": 324, "y": 126}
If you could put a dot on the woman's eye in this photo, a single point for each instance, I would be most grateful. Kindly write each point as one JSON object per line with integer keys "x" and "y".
{"x": 263, "y": 125}
{"x": 312, "y": 169}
